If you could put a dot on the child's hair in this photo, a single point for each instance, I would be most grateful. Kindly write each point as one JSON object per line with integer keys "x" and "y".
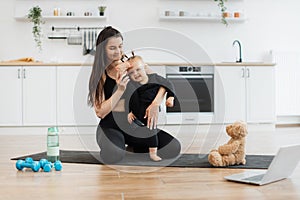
{"x": 133, "y": 58}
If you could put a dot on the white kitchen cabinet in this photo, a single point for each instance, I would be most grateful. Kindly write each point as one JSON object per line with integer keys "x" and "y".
{"x": 11, "y": 96}
{"x": 39, "y": 95}
{"x": 245, "y": 93}
{"x": 29, "y": 96}
{"x": 72, "y": 92}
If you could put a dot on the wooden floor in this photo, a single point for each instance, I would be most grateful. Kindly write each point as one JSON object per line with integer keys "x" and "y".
{"x": 79, "y": 181}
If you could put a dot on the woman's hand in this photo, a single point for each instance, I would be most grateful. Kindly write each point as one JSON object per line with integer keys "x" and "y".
{"x": 152, "y": 111}
{"x": 122, "y": 67}
{"x": 122, "y": 80}
{"x": 152, "y": 115}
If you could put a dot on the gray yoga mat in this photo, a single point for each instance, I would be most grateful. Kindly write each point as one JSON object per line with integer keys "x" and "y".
{"x": 136, "y": 159}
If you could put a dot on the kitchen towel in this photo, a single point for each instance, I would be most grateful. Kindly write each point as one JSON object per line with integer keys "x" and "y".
{"x": 136, "y": 159}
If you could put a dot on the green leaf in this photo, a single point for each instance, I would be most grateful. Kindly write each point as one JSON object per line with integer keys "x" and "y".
{"x": 222, "y": 7}
{"x": 35, "y": 16}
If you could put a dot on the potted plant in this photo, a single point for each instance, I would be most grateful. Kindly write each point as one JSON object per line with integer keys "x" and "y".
{"x": 101, "y": 10}
{"x": 222, "y": 7}
{"x": 35, "y": 16}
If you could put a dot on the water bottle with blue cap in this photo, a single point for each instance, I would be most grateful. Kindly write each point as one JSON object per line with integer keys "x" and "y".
{"x": 53, "y": 144}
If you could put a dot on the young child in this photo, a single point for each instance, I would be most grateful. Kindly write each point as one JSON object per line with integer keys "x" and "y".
{"x": 147, "y": 86}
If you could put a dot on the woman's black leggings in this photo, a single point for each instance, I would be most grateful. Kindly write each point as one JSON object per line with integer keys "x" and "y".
{"x": 112, "y": 144}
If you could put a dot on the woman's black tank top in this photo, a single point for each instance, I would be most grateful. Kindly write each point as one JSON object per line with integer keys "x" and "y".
{"x": 109, "y": 88}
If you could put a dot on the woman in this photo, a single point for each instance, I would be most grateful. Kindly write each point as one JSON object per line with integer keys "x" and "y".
{"x": 107, "y": 84}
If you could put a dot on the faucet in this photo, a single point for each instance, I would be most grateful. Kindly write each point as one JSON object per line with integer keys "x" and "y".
{"x": 240, "y": 50}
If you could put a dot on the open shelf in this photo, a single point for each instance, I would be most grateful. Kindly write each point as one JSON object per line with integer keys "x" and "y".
{"x": 200, "y": 18}
{"x": 46, "y": 18}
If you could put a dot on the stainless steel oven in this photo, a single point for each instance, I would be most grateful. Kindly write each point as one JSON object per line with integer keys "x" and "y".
{"x": 194, "y": 99}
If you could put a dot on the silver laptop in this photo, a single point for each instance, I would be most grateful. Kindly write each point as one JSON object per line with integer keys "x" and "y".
{"x": 281, "y": 167}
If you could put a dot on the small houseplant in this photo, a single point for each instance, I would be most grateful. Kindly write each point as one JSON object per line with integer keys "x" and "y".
{"x": 35, "y": 16}
{"x": 101, "y": 10}
{"x": 222, "y": 7}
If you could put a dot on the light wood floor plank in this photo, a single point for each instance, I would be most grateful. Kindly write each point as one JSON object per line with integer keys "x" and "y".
{"x": 82, "y": 181}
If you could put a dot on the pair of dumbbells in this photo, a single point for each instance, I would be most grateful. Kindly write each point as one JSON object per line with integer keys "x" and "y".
{"x": 37, "y": 165}
{"x": 47, "y": 165}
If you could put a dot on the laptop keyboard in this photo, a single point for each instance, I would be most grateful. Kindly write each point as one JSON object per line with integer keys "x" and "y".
{"x": 255, "y": 178}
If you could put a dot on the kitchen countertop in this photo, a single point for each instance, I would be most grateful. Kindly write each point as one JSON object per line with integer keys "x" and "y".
{"x": 43, "y": 64}
{"x": 150, "y": 64}
{"x": 245, "y": 64}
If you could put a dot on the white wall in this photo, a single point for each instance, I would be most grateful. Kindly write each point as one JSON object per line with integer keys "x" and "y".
{"x": 271, "y": 24}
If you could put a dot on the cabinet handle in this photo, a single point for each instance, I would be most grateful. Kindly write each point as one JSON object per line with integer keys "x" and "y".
{"x": 24, "y": 73}
{"x": 248, "y": 73}
{"x": 243, "y": 73}
{"x": 19, "y": 73}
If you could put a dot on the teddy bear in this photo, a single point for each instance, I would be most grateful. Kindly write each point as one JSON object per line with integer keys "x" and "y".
{"x": 233, "y": 152}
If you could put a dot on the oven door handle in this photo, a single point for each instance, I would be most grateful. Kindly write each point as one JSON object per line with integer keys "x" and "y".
{"x": 190, "y": 76}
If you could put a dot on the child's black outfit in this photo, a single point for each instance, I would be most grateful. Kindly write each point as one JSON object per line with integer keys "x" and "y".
{"x": 140, "y": 97}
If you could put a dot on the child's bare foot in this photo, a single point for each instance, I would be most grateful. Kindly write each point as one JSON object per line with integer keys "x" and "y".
{"x": 153, "y": 154}
{"x": 155, "y": 157}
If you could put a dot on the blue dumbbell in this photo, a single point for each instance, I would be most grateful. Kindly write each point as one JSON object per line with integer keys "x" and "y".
{"x": 28, "y": 163}
{"x": 58, "y": 165}
{"x": 45, "y": 165}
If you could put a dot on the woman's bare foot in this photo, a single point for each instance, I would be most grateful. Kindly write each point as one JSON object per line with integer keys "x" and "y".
{"x": 153, "y": 154}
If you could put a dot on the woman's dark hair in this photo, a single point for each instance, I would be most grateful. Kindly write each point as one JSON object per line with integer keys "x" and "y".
{"x": 100, "y": 63}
